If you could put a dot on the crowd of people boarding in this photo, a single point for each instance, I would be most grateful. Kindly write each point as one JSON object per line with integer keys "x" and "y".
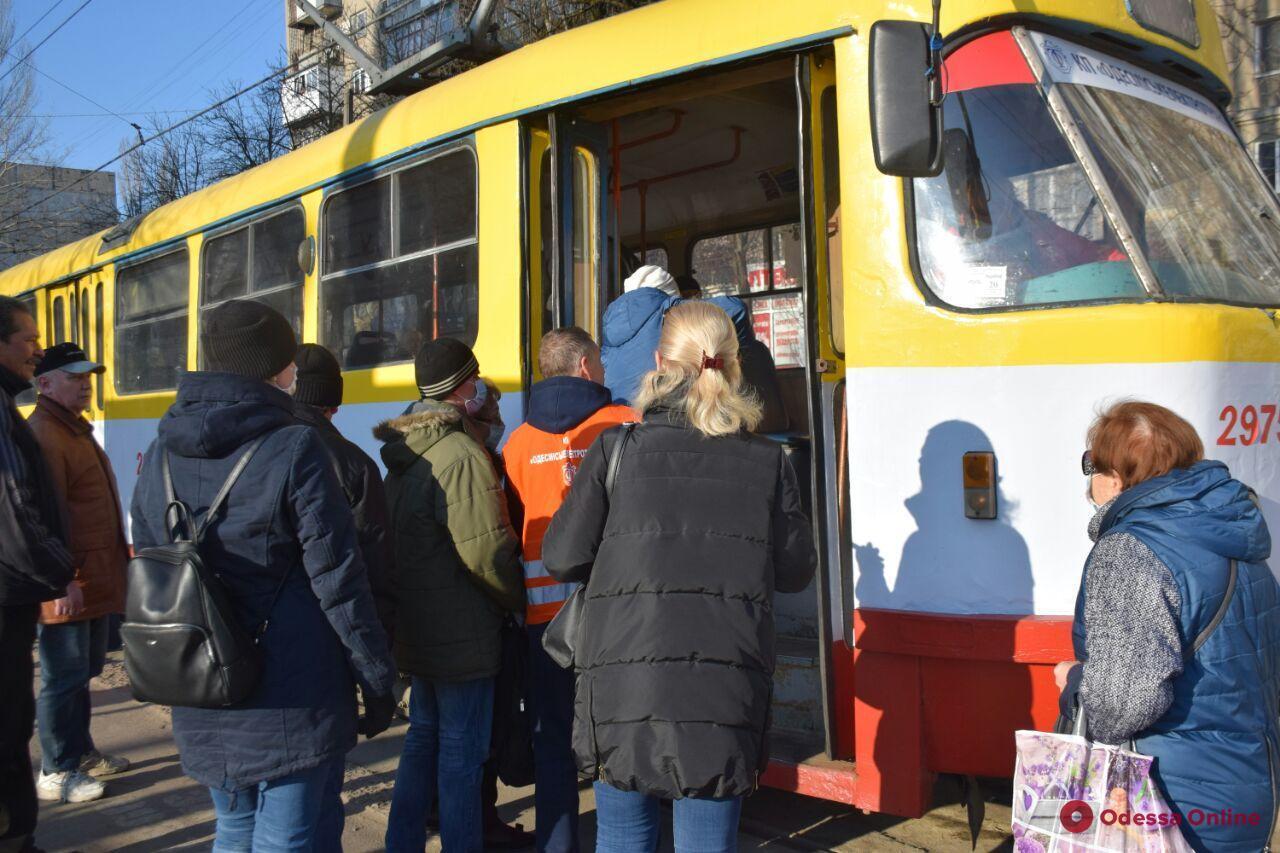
{"x": 638, "y": 497}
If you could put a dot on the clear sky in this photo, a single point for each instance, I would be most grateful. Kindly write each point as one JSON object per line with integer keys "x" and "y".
{"x": 143, "y": 59}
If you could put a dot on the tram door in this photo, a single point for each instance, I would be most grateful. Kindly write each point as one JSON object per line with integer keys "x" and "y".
{"x": 89, "y": 322}
{"x": 572, "y": 253}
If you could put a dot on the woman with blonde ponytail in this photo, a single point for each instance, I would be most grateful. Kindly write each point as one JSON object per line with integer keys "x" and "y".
{"x": 682, "y": 558}
{"x": 698, "y": 372}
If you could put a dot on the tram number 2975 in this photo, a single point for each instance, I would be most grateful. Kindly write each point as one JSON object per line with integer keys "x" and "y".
{"x": 1247, "y": 424}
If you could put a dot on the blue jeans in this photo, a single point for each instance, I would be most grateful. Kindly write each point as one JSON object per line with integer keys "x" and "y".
{"x": 71, "y": 653}
{"x": 302, "y": 811}
{"x": 555, "y": 795}
{"x": 627, "y": 822}
{"x": 445, "y": 750}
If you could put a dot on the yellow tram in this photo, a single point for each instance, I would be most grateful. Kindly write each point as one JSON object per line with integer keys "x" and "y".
{"x": 949, "y": 292}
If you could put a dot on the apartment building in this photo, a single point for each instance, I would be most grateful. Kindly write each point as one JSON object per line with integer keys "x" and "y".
{"x": 44, "y": 207}
{"x": 1251, "y": 36}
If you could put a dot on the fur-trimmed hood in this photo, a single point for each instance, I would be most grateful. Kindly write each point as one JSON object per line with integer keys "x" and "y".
{"x": 426, "y": 414}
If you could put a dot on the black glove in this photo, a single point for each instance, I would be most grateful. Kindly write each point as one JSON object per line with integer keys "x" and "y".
{"x": 378, "y": 712}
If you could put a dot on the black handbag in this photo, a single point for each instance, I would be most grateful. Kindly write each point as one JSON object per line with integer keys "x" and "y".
{"x": 511, "y": 750}
{"x": 183, "y": 644}
{"x": 561, "y": 637}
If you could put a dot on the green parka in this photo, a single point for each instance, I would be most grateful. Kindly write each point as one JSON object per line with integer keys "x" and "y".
{"x": 456, "y": 552}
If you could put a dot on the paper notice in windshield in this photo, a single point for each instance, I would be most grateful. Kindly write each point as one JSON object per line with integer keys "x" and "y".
{"x": 986, "y": 285}
{"x": 1067, "y": 62}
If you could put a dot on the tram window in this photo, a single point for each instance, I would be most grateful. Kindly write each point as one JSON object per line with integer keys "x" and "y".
{"x": 275, "y": 250}
{"x": 656, "y": 257}
{"x": 378, "y": 307}
{"x": 258, "y": 262}
{"x": 59, "y": 320}
{"x": 226, "y": 267}
{"x": 84, "y": 325}
{"x": 437, "y": 202}
{"x": 385, "y": 314}
{"x": 358, "y": 226}
{"x": 762, "y": 266}
{"x": 1013, "y": 219}
{"x": 151, "y": 323}
{"x": 831, "y": 193}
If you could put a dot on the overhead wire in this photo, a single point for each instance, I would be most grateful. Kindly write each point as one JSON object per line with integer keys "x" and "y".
{"x": 42, "y": 41}
{"x": 36, "y": 23}
{"x": 205, "y": 111}
{"x": 165, "y": 81}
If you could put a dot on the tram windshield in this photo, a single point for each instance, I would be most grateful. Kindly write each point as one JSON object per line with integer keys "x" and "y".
{"x": 1016, "y": 219}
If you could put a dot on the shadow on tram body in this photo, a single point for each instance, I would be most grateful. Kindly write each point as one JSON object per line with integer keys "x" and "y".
{"x": 942, "y": 670}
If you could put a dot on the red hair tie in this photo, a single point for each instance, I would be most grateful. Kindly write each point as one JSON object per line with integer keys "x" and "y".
{"x": 708, "y": 362}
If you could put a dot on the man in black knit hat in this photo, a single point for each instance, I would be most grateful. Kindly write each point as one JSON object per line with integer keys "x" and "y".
{"x": 317, "y": 398}
{"x": 285, "y": 545}
{"x": 458, "y": 564}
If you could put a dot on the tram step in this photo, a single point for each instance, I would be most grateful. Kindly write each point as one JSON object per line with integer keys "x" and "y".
{"x": 797, "y": 687}
{"x": 797, "y": 763}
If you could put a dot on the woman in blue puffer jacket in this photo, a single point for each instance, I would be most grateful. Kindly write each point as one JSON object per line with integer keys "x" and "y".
{"x": 1169, "y": 528}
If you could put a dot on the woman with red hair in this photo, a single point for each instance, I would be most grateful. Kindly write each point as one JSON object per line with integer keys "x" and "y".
{"x": 1177, "y": 627}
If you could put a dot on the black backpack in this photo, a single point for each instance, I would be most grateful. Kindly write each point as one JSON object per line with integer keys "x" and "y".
{"x": 183, "y": 644}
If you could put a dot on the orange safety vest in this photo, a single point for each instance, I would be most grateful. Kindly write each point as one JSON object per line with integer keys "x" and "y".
{"x": 540, "y": 469}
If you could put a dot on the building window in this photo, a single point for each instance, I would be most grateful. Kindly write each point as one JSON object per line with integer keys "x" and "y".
{"x": 359, "y": 21}
{"x": 151, "y": 323}
{"x": 1268, "y": 156}
{"x": 400, "y": 262}
{"x": 360, "y": 81}
{"x": 258, "y": 261}
{"x": 1266, "y": 46}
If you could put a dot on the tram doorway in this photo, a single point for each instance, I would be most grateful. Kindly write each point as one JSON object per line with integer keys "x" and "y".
{"x": 705, "y": 177}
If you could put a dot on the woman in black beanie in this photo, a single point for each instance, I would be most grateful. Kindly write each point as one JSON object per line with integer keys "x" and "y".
{"x": 285, "y": 546}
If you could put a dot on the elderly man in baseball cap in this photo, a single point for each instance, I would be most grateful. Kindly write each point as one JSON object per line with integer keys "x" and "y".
{"x": 73, "y": 629}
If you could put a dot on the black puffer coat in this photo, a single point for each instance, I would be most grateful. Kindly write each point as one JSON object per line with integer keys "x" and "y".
{"x": 677, "y": 652}
{"x": 362, "y": 484}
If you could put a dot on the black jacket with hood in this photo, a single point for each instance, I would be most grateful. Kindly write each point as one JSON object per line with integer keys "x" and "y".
{"x": 682, "y": 562}
{"x": 362, "y": 484}
{"x": 285, "y": 517}
{"x": 35, "y": 564}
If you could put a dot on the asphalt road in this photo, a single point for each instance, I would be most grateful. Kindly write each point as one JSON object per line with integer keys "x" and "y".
{"x": 154, "y": 807}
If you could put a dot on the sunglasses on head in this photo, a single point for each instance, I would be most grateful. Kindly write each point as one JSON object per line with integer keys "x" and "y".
{"x": 1086, "y": 464}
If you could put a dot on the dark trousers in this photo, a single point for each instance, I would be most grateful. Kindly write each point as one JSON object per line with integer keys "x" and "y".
{"x": 555, "y": 797}
{"x": 17, "y": 719}
{"x": 71, "y": 653}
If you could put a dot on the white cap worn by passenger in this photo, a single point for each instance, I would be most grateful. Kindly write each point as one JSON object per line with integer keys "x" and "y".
{"x": 651, "y": 276}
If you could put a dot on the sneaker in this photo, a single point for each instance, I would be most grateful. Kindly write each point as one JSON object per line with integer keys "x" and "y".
{"x": 69, "y": 786}
{"x": 98, "y": 764}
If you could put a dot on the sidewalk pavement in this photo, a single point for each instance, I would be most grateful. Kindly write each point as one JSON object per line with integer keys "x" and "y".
{"x": 154, "y": 807}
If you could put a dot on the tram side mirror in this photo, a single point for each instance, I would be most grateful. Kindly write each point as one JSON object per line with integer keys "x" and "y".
{"x": 970, "y": 195}
{"x": 906, "y": 127}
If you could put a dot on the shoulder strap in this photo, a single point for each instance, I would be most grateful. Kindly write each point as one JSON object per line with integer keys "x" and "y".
{"x": 1217, "y": 617}
{"x": 615, "y": 457}
{"x": 212, "y": 511}
{"x": 177, "y": 515}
